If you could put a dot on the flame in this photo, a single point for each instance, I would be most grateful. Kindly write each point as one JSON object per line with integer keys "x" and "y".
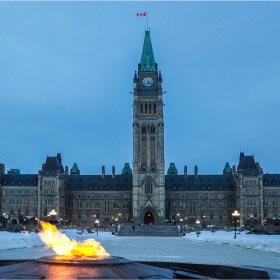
{"x": 64, "y": 246}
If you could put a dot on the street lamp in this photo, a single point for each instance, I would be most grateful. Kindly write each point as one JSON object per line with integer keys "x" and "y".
{"x": 97, "y": 224}
{"x": 251, "y": 216}
{"x": 52, "y": 214}
{"x": 181, "y": 225}
{"x": 203, "y": 217}
{"x": 178, "y": 216}
{"x": 197, "y": 224}
{"x": 235, "y": 216}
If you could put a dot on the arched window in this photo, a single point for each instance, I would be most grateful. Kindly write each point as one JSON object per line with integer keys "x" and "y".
{"x": 153, "y": 129}
{"x": 144, "y": 129}
{"x": 155, "y": 108}
{"x": 146, "y": 108}
{"x": 141, "y": 109}
{"x": 148, "y": 186}
{"x": 150, "y": 108}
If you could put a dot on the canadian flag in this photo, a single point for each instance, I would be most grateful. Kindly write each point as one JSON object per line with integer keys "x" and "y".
{"x": 141, "y": 14}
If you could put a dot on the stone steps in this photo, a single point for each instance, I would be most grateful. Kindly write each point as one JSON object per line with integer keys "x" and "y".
{"x": 145, "y": 230}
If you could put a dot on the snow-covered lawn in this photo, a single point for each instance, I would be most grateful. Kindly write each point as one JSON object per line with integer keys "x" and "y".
{"x": 9, "y": 241}
{"x": 269, "y": 243}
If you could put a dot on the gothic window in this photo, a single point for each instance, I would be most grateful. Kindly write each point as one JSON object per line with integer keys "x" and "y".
{"x": 146, "y": 108}
{"x": 150, "y": 108}
{"x": 201, "y": 204}
{"x": 144, "y": 129}
{"x": 97, "y": 205}
{"x": 211, "y": 216}
{"x": 148, "y": 186}
{"x": 144, "y": 147}
{"x": 106, "y": 206}
{"x": 192, "y": 207}
{"x": 182, "y": 204}
{"x": 141, "y": 109}
{"x": 211, "y": 205}
{"x": 155, "y": 108}
{"x": 153, "y": 129}
{"x": 153, "y": 150}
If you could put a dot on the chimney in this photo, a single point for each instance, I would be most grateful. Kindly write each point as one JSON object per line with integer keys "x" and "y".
{"x": 113, "y": 172}
{"x": 185, "y": 172}
{"x": 103, "y": 171}
{"x": 196, "y": 171}
{"x": 66, "y": 170}
{"x": 233, "y": 169}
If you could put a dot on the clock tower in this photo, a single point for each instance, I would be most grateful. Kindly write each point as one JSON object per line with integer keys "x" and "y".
{"x": 148, "y": 140}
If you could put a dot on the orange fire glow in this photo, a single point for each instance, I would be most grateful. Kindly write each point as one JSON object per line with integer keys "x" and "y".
{"x": 64, "y": 246}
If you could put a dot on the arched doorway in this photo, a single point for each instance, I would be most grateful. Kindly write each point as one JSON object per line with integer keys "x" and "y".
{"x": 14, "y": 222}
{"x": 149, "y": 217}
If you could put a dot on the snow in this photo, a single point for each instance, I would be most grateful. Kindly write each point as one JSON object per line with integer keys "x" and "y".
{"x": 269, "y": 243}
{"x": 19, "y": 240}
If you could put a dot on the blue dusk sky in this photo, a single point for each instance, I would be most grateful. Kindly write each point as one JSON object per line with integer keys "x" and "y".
{"x": 66, "y": 71}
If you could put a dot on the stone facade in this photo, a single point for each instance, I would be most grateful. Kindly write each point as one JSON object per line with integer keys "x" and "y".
{"x": 145, "y": 193}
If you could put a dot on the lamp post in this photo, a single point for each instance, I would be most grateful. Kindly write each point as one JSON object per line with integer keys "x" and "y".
{"x": 52, "y": 214}
{"x": 116, "y": 220}
{"x": 178, "y": 217}
{"x": 181, "y": 225}
{"x": 251, "y": 216}
{"x": 235, "y": 216}
{"x": 97, "y": 224}
{"x": 197, "y": 225}
{"x": 203, "y": 217}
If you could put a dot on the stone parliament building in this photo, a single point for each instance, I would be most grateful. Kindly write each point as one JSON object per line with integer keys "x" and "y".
{"x": 143, "y": 193}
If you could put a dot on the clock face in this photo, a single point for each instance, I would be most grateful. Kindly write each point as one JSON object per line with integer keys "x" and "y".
{"x": 148, "y": 81}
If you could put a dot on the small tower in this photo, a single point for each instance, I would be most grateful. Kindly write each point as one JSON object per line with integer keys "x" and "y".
{"x": 75, "y": 170}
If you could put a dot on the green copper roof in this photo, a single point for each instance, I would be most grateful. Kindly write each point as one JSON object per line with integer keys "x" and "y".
{"x": 227, "y": 167}
{"x": 75, "y": 167}
{"x": 126, "y": 169}
{"x": 14, "y": 171}
{"x": 147, "y": 58}
{"x": 172, "y": 169}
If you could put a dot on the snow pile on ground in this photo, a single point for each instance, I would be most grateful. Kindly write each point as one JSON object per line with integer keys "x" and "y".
{"x": 19, "y": 240}
{"x": 269, "y": 243}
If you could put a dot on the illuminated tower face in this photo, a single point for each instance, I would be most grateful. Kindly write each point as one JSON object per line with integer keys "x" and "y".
{"x": 148, "y": 139}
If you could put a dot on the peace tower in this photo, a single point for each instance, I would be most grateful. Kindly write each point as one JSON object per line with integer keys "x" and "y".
{"x": 148, "y": 139}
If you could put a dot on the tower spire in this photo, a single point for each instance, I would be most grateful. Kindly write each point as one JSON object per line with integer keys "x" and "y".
{"x": 147, "y": 58}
